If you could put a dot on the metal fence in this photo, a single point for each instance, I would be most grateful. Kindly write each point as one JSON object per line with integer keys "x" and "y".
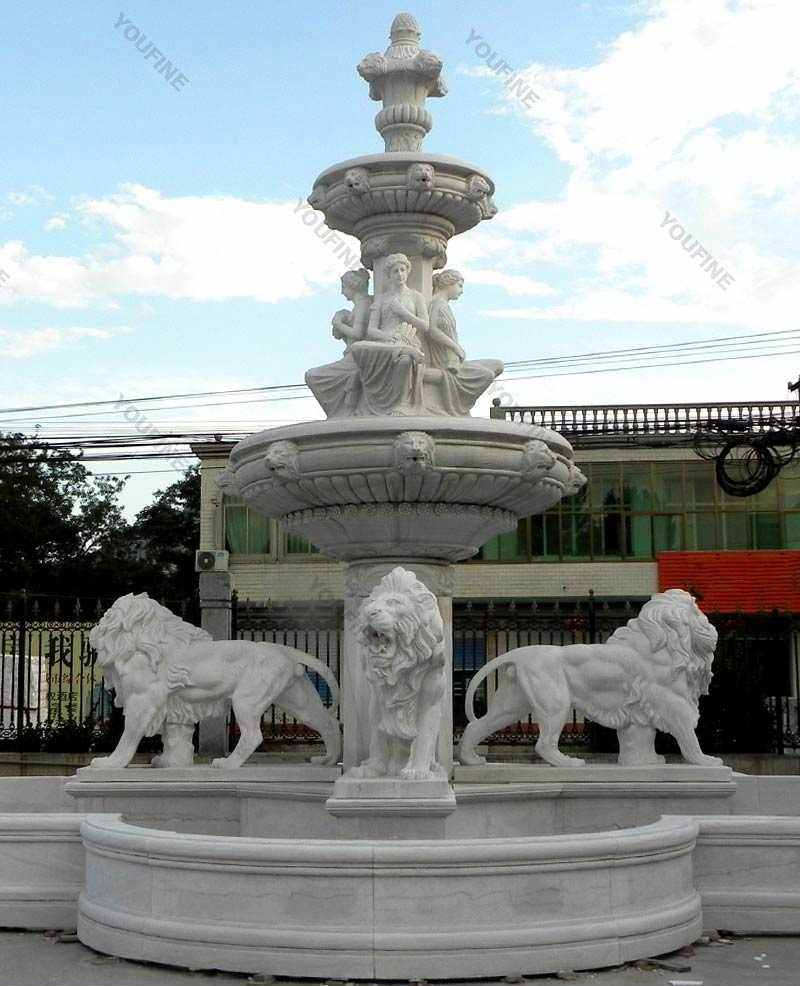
{"x": 483, "y": 630}
{"x": 53, "y": 696}
{"x": 575, "y": 420}
{"x": 749, "y": 708}
{"x": 315, "y": 628}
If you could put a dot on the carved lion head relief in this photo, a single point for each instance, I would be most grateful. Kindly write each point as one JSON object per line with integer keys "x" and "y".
{"x": 477, "y": 187}
{"x": 282, "y": 460}
{"x": 537, "y": 461}
{"x": 414, "y": 452}
{"x": 317, "y": 197}
{"x": 357, "y": 180}
{"x": 421, "y": 176}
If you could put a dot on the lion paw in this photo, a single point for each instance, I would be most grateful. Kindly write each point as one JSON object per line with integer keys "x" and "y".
{"x": 223, "y": 763}
{"x": 367, "y": 770}
{"x": 415, "y": 774}
{"x": 471, "y": 759}
{"x": 557, "y": 759}
{"x": 106, "y": 762}
{"x": 708, "y": 761}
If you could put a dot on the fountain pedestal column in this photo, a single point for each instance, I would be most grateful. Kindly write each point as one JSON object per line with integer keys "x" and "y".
{"x": 361, "y": 577}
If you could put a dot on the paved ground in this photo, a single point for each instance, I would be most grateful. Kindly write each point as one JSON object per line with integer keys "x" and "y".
{"x": 33, "y": 959}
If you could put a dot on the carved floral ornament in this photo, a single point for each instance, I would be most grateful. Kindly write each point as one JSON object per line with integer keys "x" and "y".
{"x": 360, "y": 512}
{"x": 403, "y": 122}
{"x": 361, "y": 578}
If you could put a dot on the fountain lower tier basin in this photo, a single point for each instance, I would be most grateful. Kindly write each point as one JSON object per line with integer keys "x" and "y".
{"x": 367, "y": 909}
{"x": 411, "y": 487}
{"x": 509, "y": 890}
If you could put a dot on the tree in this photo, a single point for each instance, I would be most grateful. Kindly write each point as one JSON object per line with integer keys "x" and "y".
{"x": 165, "y": 535}
{"x": 55, "y": 516}
{"x": 62, "y": 530}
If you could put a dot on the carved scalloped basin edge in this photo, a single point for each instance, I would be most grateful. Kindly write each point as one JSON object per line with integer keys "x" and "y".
{"x": 400, "y": 160}
{"x": 433, "y": 487}
{"x": 378, "y": 909}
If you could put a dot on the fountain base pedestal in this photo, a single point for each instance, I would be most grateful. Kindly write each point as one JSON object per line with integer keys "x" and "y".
{"x": 391, "y": 808}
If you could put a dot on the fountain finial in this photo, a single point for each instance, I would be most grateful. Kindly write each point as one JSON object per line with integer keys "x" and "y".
{"x": 403, "y": 77}
{"x": 405, "y": 29}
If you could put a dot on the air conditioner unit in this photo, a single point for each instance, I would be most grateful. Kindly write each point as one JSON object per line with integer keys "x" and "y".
{"x": 211, "y": 561}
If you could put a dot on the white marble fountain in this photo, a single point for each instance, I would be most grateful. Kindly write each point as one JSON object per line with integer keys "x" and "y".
{"x": 385, "y": 859}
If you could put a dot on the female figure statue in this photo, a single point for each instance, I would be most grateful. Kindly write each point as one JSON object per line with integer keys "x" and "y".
{"x": 452, "y": 383}
{"x": 337, "y": 386}
{"x": 389, "y": 359}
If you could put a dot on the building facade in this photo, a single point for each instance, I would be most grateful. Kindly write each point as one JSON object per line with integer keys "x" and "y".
{"x": 649, "y": 494}
{"x": 652, "y": 516}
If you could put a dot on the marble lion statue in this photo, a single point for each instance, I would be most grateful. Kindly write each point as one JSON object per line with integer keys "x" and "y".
{"x": 402, "y": 639}
{"x": 168, "y": 675}
{"x": 649, "y": 675}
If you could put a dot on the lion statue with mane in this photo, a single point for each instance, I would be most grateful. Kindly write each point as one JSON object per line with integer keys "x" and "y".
{"x": 649, "y": 675}
{"x": 167, "y": 675}
{"x": 401, "y": 635}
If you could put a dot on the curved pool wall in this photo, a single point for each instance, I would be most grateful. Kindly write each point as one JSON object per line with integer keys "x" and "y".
{"x": 265, "y": 803}
{"x": 388, "y": 910}
{"x": 513, "y": 887}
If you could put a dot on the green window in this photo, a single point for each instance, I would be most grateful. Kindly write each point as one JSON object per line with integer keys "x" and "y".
{"x": 511, "y": 546}
{"x": 246, "y": 532}
{"x": 634, "y": 510}
{"x": 296, "y": 544}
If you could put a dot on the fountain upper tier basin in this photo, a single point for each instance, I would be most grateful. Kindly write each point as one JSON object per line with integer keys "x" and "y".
{"x": 398, "y": 182}
{"x": 402, "y": 487}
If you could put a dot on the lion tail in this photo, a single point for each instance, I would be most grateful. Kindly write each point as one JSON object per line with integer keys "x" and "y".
{"x": 314, "y": 664}
{"x": 494, "y": 665}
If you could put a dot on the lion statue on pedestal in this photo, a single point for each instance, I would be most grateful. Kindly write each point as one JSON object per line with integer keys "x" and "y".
{"x": 168, "y": 675}
{"x": 402, "y": 641}
{"x": 648, "y": 675}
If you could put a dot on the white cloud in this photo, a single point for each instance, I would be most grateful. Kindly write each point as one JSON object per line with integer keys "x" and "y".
{"x": 26, "y": 343}
{"x": 33, "y": 195}
{"x": 693, "y": 111}
{"x": 198, "y": 248}
{"x": 58, "y": 221}
{"x": 515, "y": 284}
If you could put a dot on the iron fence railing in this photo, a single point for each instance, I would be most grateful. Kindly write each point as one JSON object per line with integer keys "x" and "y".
{"x": 747, "y": 709}
{"x": 54, "y": 697}
{"x": 52, "y": 694}
{"x": 654, "y": 419}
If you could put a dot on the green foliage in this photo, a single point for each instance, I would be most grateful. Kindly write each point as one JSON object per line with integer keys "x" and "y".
{"x": 63, "y": 530}
{"x": 56, "y": 516}
{"x": 166, "y": 534}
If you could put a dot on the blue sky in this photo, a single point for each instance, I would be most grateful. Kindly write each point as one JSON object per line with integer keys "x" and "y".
{"x": 151, "y": 244}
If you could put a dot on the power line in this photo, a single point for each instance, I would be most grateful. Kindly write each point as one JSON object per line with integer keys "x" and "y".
{"x": 649, "y": 366}
{"x": 701, "y": 343}
{"x": 159, "y": 397}
{"x": 136, "y": 472}
{"x": 628, "y": 353}
{"x": 621, "y": 358}
{"x": 171, "y": 407}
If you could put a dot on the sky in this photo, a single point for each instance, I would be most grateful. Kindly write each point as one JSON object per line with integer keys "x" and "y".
{"x": 150, "y": 232}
